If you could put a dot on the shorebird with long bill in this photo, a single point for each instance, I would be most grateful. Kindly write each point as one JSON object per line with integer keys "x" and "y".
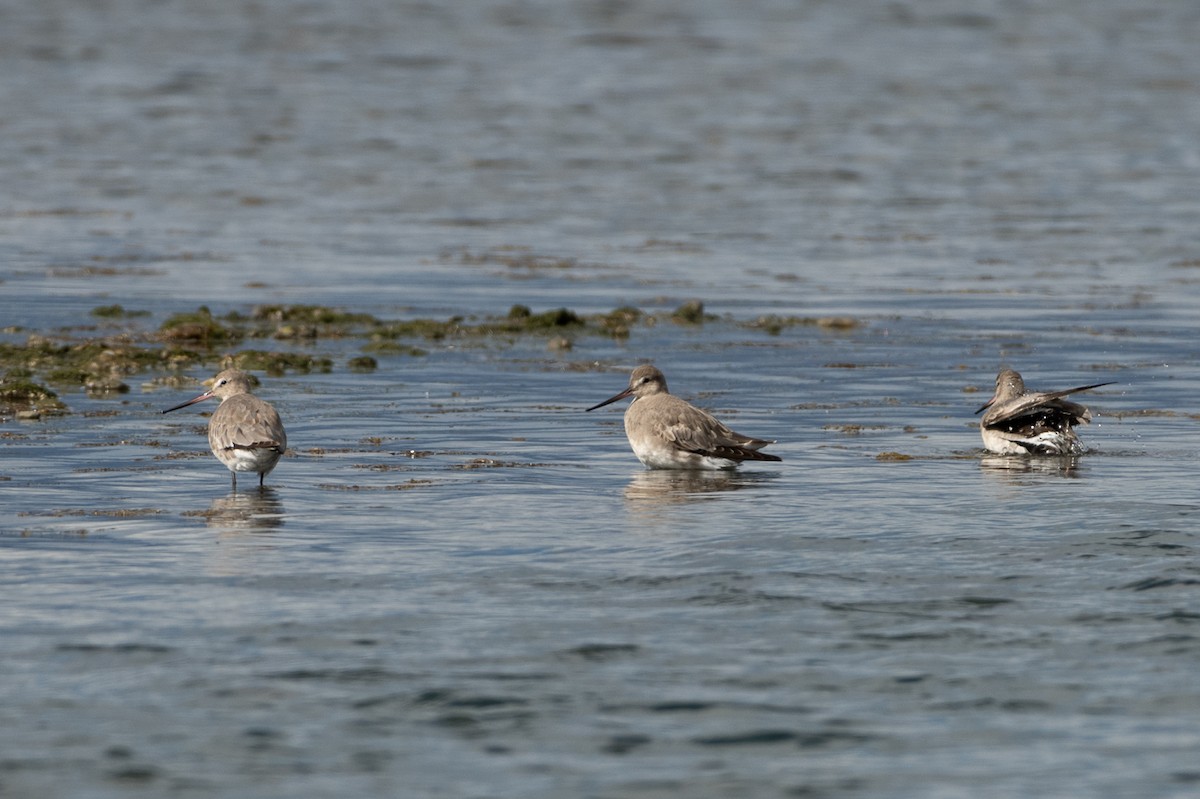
{"x": 667, "y": 432}
{"x": 245, "y": 432}
{"x": 1023, "y": 422}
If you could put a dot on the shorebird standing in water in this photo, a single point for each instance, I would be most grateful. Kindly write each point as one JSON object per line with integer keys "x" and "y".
{"x": 1021, "y": 422}
{"x": 245, "y": 432}
{"x": 666, "y": 432}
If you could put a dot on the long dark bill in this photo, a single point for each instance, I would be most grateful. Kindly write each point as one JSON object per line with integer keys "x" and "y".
{"x": 611, "y": 400}
{"x": 192, "y": 401}
{"x": 986, "y": 405}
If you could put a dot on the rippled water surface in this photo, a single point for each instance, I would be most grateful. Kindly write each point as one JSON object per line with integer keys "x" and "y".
{"x": 460, "y": 584}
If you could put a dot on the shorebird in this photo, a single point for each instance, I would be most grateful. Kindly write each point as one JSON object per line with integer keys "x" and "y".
{"x": 1022, "y": 422}
{"x": 666, "y": 432}
{"x": 245, "y": 432}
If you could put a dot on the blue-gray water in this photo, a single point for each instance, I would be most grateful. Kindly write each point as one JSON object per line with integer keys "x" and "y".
{"x": 459, "y": 584}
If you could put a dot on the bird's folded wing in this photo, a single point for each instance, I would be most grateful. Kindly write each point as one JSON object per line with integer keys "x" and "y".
{"x": 256, "y": 430}
{"x": 1028, "y": 403}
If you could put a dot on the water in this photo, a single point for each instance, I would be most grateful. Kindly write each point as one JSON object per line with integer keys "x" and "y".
{"x": 459, "y": 584}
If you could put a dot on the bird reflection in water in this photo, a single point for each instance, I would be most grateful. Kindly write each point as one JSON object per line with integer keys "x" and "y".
{"x": 1013, "y": 467}
{"x": 248, "y": 511}
{"x": 671, "y": 486}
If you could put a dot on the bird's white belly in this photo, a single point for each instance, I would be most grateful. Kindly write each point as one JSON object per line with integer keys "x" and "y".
{"x": 1052, "y": 441}
{"x": 656, "y": 454}
{"x": 248, "y": 460}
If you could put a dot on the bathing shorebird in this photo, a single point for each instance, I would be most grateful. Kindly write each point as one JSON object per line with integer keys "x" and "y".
{"x": 1020, "y": 422}
{"x": 666, "y": 432}
{"x": 245, "y": 432}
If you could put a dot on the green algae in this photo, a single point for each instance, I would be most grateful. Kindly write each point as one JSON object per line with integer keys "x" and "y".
{"x": 313, "y": 315}
{"x": 384, "y": 347}
{"x": 282, "y": 322}
{"x": 618, "y": 322}
{"x": 101, "y": 364}
{"x": 311, "y": 322}
{"x": 690, "y": 313}
{"x": 521, "y": 319}
{"x": 285, "y": 322}
{"x": 98, "y": 365}
{"x": 277, "y": 364}
{"x": 21, "y": 397}
{"x": 198, "y": 338}
{"x": 362, "y": 364}
{"x": 117, "y": 312}
{"x": 774, "y": 325}
{"x": 199, "y": 328}
{"x": 429, "y": 329}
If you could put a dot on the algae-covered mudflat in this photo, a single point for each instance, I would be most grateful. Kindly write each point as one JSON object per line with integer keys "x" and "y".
{"x": 101, "y": 359}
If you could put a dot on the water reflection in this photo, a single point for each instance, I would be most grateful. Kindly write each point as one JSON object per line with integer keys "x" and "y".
{"x": 260, "y": 509}
{"x": 668, "y": 486}
{"x": 1011, "y": 468}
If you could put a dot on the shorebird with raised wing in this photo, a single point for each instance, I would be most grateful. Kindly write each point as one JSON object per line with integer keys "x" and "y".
{"x": 666, "y": 432}
{"x": 1023, "y": 422}
{"x": 245, "y": 432}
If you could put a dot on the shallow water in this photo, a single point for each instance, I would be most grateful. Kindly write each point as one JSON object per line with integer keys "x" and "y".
{"x": 460, "y": 584}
